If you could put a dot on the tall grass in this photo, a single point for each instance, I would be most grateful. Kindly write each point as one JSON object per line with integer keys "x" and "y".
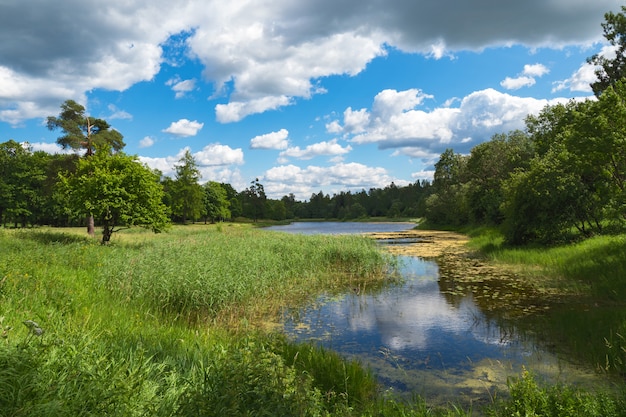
{"x": 591, "y": 275}
{"x": 237, "y": 273}
{"x": 90, "y": 330}
{"x": 595, "y": 266}
{"x": 529, "y": 398}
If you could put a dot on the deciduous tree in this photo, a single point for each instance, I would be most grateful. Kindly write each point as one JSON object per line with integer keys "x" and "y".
{"x": 119, "y": 191}
{"x": 83, "y": 132}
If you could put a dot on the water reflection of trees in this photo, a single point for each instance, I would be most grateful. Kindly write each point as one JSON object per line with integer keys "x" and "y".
{"x": 571, "y": 326}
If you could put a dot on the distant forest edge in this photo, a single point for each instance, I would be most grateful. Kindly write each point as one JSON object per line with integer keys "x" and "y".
{"x": 563, "y": 177}
{"x": 32, "y": 193}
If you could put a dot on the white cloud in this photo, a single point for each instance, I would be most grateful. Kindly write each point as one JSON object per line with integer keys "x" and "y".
{"x": 146, "y": 142}
{"x": 420, "y": 134}
{"x": 333, "y": 179}
{"x": 528, "y": 77}
{"x": 584, "y": 76}
{"x": 216, "y": 154}
{"x": 517, "y": 83}
{"x": 355, "y": 121}
{"x": 270, "y": 51}
{"x": 388, "y": 103}
{"x": 184, "y": 128}
{"x": 273, "y": 140}
{"x": 214, "y": 162}
{"x": 423, "y": 175}
{"x": 535, "y": 70}
{"x": 51, "y": 148}
{"x": 118, "y": 114}
{"x": 237, "y": 110}
{"x": 331, "y": 148}
{"x": 181, "y": 87}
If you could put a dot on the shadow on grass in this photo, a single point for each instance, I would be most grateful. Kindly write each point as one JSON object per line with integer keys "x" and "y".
{"x": 55, "y": 238}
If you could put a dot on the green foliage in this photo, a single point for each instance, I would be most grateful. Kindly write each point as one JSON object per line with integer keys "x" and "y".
{"x": 610, "y": 71}
{"x": 201, "y": 276}
{"x": 529, "y": 399}
{"x": 118, "y": 191}
{"x": 488, "y": 166}
{"x": 447, "y": 204}
{"x": 187, "y": 197}
{"x": 216, "y": 204}
{"x": 100, "y": 354}
{"x": 84, "y": 132}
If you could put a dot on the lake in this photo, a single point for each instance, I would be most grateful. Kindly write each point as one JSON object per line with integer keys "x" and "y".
{"x": 419, "y": 341}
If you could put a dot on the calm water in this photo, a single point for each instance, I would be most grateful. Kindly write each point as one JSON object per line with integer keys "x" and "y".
{"x": 338, "y": 228}
{"x": 418, "y": 341}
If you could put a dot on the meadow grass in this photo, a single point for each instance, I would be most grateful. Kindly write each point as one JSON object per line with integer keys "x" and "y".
{"x": 589, "y": 274}
{"x": 172, "y": 325}
{"x": 594, "y": 266}
{"x": 143, "y": 327}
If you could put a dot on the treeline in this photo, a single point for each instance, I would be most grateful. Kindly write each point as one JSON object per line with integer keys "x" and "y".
{"x": 31, "y": 193}
{"x": 565, "y": 175}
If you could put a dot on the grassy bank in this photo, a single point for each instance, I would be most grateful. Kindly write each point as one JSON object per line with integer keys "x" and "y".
{"x": 176, "y": 325}
{"x": 171, "y": 324}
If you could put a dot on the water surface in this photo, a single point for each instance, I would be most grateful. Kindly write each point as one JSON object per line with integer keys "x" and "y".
{"x": 338, "y": 228}
{"x": 419, "y": 341}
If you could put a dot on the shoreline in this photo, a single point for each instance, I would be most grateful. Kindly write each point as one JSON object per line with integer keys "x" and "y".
{"x": 424, "y": 243}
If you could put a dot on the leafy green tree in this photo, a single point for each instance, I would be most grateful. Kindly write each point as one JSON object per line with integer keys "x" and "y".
{"x": 254, "y": 199}
{"x": 186, "y": 193}
{"x": 16, "y": 192}
{"x": 488, "y": 166}
{"x": 546, "y": 200}
{"x": 599, "y": 137}
{"x": 447, "y": 205}
{"x": 217, "y": 205}
{"x": 610, "y": 71}
{"x": 119, "y": 191}
{"x": 276, "y": 209}
{"x": 82, "y": 132}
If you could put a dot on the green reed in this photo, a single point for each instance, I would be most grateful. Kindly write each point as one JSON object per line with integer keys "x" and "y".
{"x": 240, "y": 273}
{"x": 93, "y": 330}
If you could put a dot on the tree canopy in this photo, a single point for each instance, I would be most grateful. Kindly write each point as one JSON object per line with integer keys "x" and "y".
{"x": 84, "y": 132}
{"x": 609, "y": 71}
{"x": 119, "y": 191}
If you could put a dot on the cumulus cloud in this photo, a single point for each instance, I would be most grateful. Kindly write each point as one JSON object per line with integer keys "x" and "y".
{"x": 273, "y": 140}
{"x": 330, "y": 148}
{"x": 584, "y": 76}
{"x": 217, "y": 155}
{"x": 181, "y": 87}
{"x": 261, "y": 55}
{"x": 527, "y": 78}
{"x": 340, "y": 177}
{"x": 51, "y": 148}
{"x": 118, "y": 114}
{"x": 184, "y": 128}
{"x": 146, "y": 142}
{"x": 517, "y": 83}
{"x": 421, "y": 134}
{"x": 237, "y": 110}
{"x": 215, "y": 163}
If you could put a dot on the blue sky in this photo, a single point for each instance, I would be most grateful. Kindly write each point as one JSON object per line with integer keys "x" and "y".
{"x": 306, "y": 96}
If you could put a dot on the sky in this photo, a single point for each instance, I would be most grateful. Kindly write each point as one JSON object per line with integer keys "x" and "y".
{"x": 303, "y": 95}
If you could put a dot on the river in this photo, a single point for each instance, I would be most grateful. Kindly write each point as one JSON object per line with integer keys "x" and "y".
{"x": 419, "y": 340}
